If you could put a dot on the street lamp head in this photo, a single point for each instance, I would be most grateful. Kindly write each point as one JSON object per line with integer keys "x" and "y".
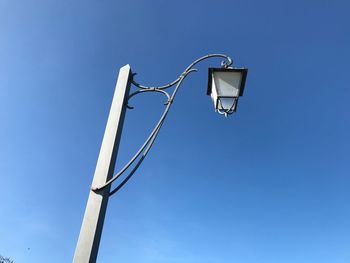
{"x": 225, "y": 86}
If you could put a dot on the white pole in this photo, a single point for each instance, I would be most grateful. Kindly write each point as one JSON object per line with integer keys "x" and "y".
{"x": 91, "y": 229}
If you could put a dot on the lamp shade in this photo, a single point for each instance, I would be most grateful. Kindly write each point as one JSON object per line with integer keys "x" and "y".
{"x": 225, "y": 86}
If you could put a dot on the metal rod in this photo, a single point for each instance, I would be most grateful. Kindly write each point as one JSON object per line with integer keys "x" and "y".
{"x": 155, "y": 131}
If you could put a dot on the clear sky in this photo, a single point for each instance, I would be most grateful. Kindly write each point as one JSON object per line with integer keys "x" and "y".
{"x": 270, "y": 184}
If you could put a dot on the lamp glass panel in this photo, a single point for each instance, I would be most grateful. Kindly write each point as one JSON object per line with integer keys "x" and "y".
{"x": 227, "y": 83}
{"x": 214, "y": 95}
{"x": 226, "y": 103}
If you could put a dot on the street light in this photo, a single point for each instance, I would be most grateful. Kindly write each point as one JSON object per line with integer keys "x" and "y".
{"x": 225, "y": 85}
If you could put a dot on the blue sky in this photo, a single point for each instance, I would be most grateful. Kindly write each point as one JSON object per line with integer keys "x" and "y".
{"x": 269, "y": 184}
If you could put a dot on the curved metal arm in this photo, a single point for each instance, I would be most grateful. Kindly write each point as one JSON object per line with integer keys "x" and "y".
{"x": 153, "y": 135}
{"x": 148, "y": 90}
{"x": 224, "y": 64}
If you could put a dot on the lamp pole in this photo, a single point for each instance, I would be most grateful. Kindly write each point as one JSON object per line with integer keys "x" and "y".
{"x": 91, "y": 229}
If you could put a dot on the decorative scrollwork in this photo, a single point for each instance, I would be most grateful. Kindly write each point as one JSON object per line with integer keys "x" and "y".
{"x": 144, "y": 149}
{"x": 148, "y": 90}
{"x": 224, "y": 64}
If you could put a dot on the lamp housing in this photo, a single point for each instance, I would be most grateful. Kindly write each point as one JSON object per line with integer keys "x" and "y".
{"x": 225, "y": 86}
